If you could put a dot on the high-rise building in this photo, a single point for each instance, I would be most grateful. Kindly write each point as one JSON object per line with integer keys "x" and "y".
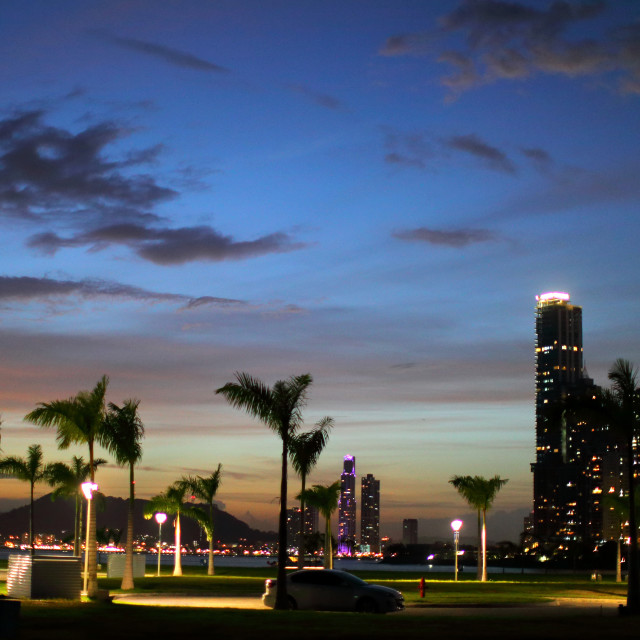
{"x": 347, "y": 507}
{"x": 370, "y": 514}
{"x": 409, "y": 531}
{"x": 293, "y": 524}
{"x": 559, "y": 368}
{"x": 575, "y": 457}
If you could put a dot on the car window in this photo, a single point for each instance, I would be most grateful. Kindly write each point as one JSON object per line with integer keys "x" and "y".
{"x": 324, "y": 578}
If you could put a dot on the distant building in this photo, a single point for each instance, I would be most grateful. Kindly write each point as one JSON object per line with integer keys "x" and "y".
{"x": 347, "y": 507}
{"x": 293, "y": 524}
{"x": 410, "y": 531}
{"x": 370, "y": 514}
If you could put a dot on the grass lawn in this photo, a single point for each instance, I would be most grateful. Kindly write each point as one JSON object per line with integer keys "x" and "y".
{"x": 51, "y": 620}
{"x": 61, "y": 621}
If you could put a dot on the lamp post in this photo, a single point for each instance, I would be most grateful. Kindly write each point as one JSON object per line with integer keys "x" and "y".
{"x": 87, "y": 488}
{"x": 455, "y": 525}
{"x": 160, "y": 518}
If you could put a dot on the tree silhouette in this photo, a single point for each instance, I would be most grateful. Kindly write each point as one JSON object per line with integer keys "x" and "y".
{"x": 66, "y": 480}
{"x": 325, "y": 500}
{"x": 123, "y": 431}
{"x": 205, "y": 488}
{"x": 280, "y": 408}
{"x": 79, "y": 420}
{"x": 304, "y": 451}
{"x": 30, "y": 469}
{"x": 479, "y": 493}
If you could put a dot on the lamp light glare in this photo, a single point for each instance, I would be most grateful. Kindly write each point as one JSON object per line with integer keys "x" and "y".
{"x": 88, "y": 488}
{"x": 456, "y": 524}
{"x": 161, "y": 518}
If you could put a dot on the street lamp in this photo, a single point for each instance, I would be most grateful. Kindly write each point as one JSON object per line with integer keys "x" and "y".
{"x": 455, "y": 525}
{"x": 87, "y": 488}
{"x": 160, "y": 518}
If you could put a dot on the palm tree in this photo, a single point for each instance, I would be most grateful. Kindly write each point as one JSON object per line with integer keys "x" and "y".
{"x": 206, "y": 489}
{"x": 621, "y": 408}
{"x": 479, "y": 493}
{"x": 79, "y": 420}
{"x": 123, "y": 430}
{"x": 31, "y": 470}
{"x": 67, "y": 480}
{"x": 172, "y": 502}
{"x": 304, "y": 451}
{"x": 325, "y": 500}
{"x": 280, "y": 408}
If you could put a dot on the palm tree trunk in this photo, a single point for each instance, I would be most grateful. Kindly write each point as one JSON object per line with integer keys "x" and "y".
{"x": 302, "y": 523}
{"x": 328, "y": 546}
{"x": 32, "y": 551}
{"x": 92, "y": 546}
{"x": 484, "y": 545}
{"x": 281, "y": 587}
{"x": 210, "y": 568}
{"x": 479, "y": 548}
{"x": 77, "y": 532}
{"x": 618, "y": 561}
{"x": 177, "y": 565}
{"x": 633, "y": 587}
{"x": 127, "y": 576}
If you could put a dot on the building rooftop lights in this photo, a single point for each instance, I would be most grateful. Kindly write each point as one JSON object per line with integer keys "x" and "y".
{"x": 553, "y": 295}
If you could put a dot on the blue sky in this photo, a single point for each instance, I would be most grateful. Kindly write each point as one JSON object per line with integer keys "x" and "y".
{"x": 370, "y": 192}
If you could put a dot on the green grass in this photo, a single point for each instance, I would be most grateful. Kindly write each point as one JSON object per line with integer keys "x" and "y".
{"x": 51, "y": 620}
{"x": 503, "y": 589}
{"x": 60, "y": 621}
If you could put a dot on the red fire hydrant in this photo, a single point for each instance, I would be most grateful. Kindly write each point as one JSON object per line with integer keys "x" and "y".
{"x": 422, "y": 587}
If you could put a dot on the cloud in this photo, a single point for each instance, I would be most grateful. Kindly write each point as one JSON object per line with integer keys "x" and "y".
{"x": 167, "y": 54}
{"x": 321, "y": 99}
{"x": 419, "y": 149}
{"x": 407, "y": 149}
{"x": 25, "y": 289}
{"x": 456, "y": 239}
{"x": 167, "y": 246}
{"x": 474, "y": 146}
{"x": 51, "y": 173}
{"x": 505, "y": 40}
{"x": 537, "y": 155}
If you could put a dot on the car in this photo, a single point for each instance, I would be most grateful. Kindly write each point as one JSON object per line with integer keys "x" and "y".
{"x": 333, "y": 590}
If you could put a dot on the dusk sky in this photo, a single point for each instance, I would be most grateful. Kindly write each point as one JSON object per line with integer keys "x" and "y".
{"x": 372, "y": 192}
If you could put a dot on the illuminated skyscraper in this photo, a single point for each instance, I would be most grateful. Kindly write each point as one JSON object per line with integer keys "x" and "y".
{"x": 559, "y": 370}
{"x": 370, "y": 513}
{"x": 347, "y": 507}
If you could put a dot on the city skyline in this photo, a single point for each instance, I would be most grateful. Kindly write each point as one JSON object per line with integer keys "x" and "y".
{"x": 374, "y": 196}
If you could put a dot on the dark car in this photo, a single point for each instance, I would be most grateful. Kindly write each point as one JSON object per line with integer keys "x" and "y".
{"x": 332, "y": 590}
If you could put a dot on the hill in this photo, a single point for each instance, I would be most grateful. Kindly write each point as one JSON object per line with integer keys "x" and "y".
{"x": 57, "y": 517}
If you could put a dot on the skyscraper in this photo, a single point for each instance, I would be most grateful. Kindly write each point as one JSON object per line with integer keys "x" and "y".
{"x": 370, "y": 513}
{"x": 559, "y": 370}
{"x": 347, "y": 507}
{"x": 409, "y": 531}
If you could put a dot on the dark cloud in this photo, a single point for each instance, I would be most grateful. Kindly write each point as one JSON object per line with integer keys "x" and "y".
{"x": 165, "y": 246}
{"x": 456, "y": 239}
{"x": 474, "y": 146}
{"x": 537, "y": 155}
{"x": 321, "y": 99}
{"x": 25, "y": 289}
{"x": 512, "y": 40}
{"x": 172, "y": 56}
{"x": 51, "y": 173}
{"x": 407, "y": 149}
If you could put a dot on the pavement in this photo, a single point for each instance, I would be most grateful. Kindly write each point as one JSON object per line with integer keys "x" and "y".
{"x": 559, "y": 607}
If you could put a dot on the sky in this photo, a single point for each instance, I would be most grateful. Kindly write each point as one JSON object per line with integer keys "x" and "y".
{"x": 369, "y": 192}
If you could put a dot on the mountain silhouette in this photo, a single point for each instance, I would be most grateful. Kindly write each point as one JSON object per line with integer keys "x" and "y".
{"x": 57, "y": 517}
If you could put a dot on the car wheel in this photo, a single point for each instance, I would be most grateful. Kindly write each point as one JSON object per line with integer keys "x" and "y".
{"x": 292, "y": 603}
{"x": 366, "y": 605}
